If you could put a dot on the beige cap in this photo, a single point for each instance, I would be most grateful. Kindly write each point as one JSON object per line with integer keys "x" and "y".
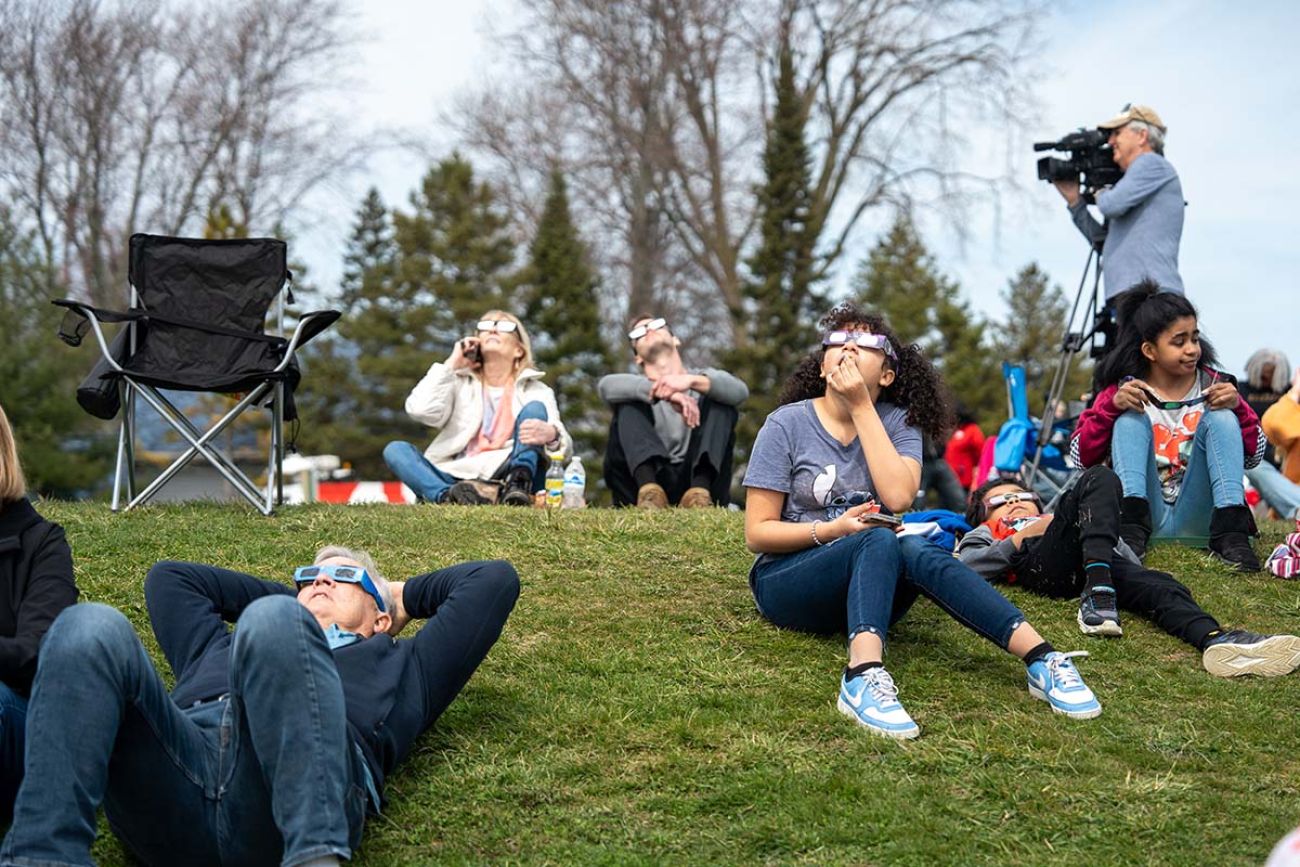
{"x": 1131, "y": 112}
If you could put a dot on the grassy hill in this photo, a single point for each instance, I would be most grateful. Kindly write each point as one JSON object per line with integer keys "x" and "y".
{"x": 638, "y": 710}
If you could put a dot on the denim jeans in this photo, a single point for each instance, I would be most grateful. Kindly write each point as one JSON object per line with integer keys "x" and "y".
{"x": 429, "y": 483}
{"x": 870, "y": 580}
{"x": 267, "y": 774}
{"x": 1277, "y": 490}
{"x": 1211, "y": 481}
{"x": 13, "y": 727}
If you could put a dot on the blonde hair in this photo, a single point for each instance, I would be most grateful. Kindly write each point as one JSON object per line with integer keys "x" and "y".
{"x": 12, "y": 484}
{"x": 521, "y": 332}
{"x": 366, "y": 562}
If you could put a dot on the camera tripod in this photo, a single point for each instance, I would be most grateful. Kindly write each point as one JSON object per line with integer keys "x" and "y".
{"x": 1101, "y": 321}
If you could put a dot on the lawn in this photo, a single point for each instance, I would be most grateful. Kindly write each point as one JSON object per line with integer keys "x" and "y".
{"x": 638, "y": 710}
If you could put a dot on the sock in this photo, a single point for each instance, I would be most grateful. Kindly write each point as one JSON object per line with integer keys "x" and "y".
{"x": 1039, "y": 652}
{"x": 850, "y": 673}
{"x": 1096, "y": 572}
{"x": 1209, "y": 636}
{"x": 645, "y": 473}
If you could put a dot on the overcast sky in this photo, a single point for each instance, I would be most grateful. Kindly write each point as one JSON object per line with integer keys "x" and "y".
{"x": 1224, "y": 77}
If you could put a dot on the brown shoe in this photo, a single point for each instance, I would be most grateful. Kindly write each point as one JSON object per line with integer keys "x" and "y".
{"x": 696, "y": 498}
{"x": 651, "y": 496}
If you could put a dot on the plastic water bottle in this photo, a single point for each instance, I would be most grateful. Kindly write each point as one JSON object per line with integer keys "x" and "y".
{"x": 555, "y": 481}
{"x": 575, "y": 484}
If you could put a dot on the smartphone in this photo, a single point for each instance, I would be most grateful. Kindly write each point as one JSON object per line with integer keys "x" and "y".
{"x": 473, "y": 354}
{"x": 880, "y": 518}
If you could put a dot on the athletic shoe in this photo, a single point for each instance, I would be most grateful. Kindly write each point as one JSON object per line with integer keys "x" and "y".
{"x": 1099, "y": 613}
{"x": 465, "y": 493}
{"x": 518, "y": 489}
{"x": 871, "y": 699}
{"x": 1237, "y": 652}
{"x": 1055, "y": 680}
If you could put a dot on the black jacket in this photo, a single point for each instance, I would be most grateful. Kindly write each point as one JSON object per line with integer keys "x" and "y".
{"x": 36, "y": 583}
{"x": 384, "y": 682}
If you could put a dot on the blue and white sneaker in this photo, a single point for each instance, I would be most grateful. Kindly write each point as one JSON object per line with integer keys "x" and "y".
{"x": 871, "y": 699}
{"x": 1055, "y": 680}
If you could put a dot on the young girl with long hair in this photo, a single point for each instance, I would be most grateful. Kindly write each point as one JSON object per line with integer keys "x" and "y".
{"x": 1174, "y": 429}
{"x": 843, "y": 449}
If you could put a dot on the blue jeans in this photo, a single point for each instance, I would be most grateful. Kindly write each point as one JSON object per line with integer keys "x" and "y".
{"x": 429, "y": 483}
{"x": 13, "y": 728}
{"x": 1211, "y": 481}
{"x": 267, "y": 774}
{"x": 874, "y": 577}
{"x": 1277, "y": 490}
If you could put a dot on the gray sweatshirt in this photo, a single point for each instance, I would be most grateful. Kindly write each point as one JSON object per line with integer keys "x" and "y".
{"x": 992, "y": 558}
{"x": 673, "y": 432}
{"x": 1144, "y": 213}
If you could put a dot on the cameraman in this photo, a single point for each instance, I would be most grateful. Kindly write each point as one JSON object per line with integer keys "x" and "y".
{"x": 1144, "y": 210}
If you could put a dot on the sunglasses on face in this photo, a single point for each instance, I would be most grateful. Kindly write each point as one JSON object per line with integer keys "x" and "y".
{"x": 863, "y": 339}
{"x": 1168, "y": 404}
{"x": 1013, "y": 497}
{"x": 645, "y": 328}
{"x": 500, "y": 326}
{"x": 340, "y": 575}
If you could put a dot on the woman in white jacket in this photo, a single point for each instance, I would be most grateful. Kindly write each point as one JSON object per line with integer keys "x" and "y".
{"x": 494, "y": 418}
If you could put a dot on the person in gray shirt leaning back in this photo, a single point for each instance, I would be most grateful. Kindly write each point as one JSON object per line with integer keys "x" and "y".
{"x": 673, "y": 429}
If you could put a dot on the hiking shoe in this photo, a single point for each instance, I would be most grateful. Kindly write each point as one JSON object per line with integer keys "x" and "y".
{"x": 651, "y": 496}
{"x": 518, "y": 488}
{"x": 871, "y": 699}
{"x": 1237, "y": 652}
{"x": 1230, "y": 529}
{"x": 696, "y": 498}
{"x": 465, "y": 494}
{"x": 1055, "y": 680}
{"x": 1099, "y": 613}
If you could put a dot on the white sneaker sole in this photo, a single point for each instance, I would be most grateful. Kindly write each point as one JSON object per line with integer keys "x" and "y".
{"x": 900, "y": 734}
{"x": 1272, "y": 657}
{"x": 1110, "y": 627}
{"x": 1089, "y": 713}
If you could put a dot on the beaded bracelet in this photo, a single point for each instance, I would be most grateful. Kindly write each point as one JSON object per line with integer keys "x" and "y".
{"x": 816, "y": 541}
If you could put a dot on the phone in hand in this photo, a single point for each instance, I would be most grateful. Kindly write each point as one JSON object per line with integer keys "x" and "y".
{"x": 881, "y": 518}
{"x": 473, "y": 354}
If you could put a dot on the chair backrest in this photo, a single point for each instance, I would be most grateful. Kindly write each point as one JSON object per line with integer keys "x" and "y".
{"x": 227, "y": 282}
{"x": 1017, "y": 396}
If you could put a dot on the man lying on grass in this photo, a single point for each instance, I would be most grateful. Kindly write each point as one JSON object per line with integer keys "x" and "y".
{"x": 1076, "y": 552}
{"x": 277, "y": 739}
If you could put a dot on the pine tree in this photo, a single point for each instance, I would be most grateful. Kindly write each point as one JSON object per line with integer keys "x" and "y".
{"x": 560, "y": 308}
{"x": 900, "y": 280}
{"x": 1032, "y": 335}
{"x": 781, "y": 306}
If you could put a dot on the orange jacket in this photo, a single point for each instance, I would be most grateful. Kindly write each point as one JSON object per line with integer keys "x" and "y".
{"x": 1282, "y": 427}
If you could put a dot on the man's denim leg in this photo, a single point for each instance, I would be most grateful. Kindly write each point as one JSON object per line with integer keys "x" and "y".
{"x": 97, "y": 698}
{"x": 289, "y": 721}
{"x": 1133, "y": 457}
{"x": 1277, "y": 490}
{"x": 13, "y": 725}
{"x": 411, "y": 467}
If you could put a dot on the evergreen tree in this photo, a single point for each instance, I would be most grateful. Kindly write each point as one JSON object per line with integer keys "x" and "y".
{"x": 1032, "y": 335}
{"x": 900, "y": 280}
{"x": 563, "y": 317}
{"x": 781, "y": 306}
{"x": 64, "y": 451}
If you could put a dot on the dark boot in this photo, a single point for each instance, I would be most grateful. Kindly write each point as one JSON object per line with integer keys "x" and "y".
{"x": 1135, "y": 523}
{"x": 519, "y": 487}
{"x": 1230, "y": 530}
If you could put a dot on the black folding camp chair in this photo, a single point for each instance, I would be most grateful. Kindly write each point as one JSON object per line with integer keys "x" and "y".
{"x": 196, "y": 323}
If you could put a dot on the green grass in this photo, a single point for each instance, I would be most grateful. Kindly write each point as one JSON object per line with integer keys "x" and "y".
{"x": 638, "y": 710}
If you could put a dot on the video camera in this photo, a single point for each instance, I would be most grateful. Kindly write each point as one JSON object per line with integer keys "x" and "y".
{"x": 1090, "y": 161}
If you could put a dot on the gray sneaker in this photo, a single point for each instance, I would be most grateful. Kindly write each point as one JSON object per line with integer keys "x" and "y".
{"x": 1238, "y": 652}
{"x": 1099, "y": 612}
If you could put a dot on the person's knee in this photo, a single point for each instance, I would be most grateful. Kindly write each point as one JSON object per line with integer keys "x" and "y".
{"x": 395, "y": 451}
{"x": 534, "y": 409}
{"x": 1222, "y": 421}
{"x": 1099, "y": 478}
{"x": 879, "y": 541}
{"x": 89, "y": 630}
{"x": 1132, "y": 424}
{"x": 268, "y": 625}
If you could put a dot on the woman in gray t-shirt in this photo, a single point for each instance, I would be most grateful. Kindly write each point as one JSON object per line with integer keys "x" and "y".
{"x": 828, "y": 469}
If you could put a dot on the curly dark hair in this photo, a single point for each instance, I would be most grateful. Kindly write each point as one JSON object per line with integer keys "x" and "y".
{"x": 917, "y": 386}
{"x": 1144, "y": 314}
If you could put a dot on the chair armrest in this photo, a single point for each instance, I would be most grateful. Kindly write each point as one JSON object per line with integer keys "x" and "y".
{"x": 309, "y": 326}
{"x": 93, "y": 316}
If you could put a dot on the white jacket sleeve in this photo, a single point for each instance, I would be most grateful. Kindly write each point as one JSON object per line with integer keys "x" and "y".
{"x": 434, "y": 397}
